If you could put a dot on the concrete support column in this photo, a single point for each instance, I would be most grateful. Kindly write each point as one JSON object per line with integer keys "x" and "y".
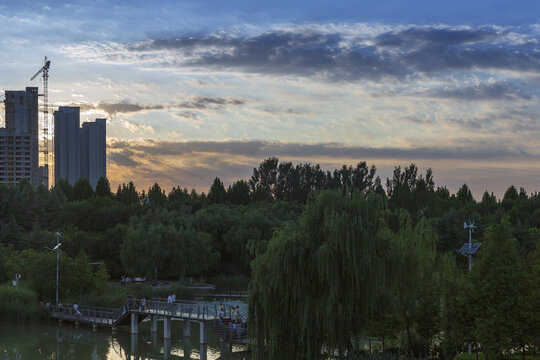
{"x": 114, "y": 329}
{"x": 203, "y": 338}
{"x": 166, "y": 348}
{"x": 203, "y": 352}
{"x": 166, "y": 327}
{"x": 134, "y": 323}
{"x": 154, "y": 341}
{"x": 187, "y": 328}
{"x": 134, "y": 344}
{"x": 94, "y": 327}
{"x": 153, "y": 323}
{"x": 187, "y": 347}
{"x": 225, "y": 348}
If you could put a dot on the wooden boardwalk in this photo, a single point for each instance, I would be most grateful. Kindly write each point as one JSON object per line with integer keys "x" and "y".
{"x": 132, "y": 313}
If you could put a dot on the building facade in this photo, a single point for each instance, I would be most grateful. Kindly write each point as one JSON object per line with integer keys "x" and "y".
{"x": 67, "y": 158}
{"x": 93, "y": 151}
{"x": 78, "y": 152}
{"x": 19, "y": 148}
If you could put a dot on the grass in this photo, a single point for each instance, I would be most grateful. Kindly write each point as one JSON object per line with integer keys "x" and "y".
{"x": 481, "y": 356}
{"x": 116, "y": 295}
{"x": 19, "y": 305}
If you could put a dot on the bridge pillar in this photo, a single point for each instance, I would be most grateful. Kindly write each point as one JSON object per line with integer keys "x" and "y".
{"x": 94, "y": 327}
{"x": 187, "y": 347}
{"x": 153, "y": 323}
{"x": 187, "y": 328}
{"x": 203, "y": 352}
{"x": 203, "y": 338}
{"x": 114, "y": 329}
{"x": 134, "y": 344}
{"x": 166, "y": 348}
{"x": 166, "y": 327}
{"x": 134, "y": 323}
{"x": 154, "y": 341}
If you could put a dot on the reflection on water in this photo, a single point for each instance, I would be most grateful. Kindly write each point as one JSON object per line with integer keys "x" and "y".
{"x": 63, "y": 342}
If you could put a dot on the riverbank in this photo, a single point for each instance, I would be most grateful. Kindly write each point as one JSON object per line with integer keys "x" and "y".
{"x": 19, "y": 305}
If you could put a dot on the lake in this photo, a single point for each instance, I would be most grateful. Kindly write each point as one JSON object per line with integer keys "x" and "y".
{"x": 65, "y": 341}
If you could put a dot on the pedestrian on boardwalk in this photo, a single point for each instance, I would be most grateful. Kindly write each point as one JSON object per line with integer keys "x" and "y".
{"x": 142, "y": 306}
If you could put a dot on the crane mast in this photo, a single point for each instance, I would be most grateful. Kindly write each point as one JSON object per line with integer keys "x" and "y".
{"x": 44, "y": 143}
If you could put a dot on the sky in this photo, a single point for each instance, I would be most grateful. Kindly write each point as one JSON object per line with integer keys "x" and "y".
{"x": 194, "y": 90}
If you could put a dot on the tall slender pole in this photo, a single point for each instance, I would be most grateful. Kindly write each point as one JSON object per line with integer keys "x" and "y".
{"x": 57, "y": 261}
{"x": 470, "y": 246}
{"x": 470, "y": 268}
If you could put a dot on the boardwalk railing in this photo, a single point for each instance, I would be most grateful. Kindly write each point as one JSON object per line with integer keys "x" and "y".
{"x": 89, "y": 314}
{"x": 187, "y": 310}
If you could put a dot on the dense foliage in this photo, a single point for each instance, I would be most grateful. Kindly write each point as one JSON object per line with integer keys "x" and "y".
{"x": 332, "y": 255}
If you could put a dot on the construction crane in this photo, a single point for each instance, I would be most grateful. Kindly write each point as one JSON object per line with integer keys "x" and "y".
{"x": 45, "y": 128}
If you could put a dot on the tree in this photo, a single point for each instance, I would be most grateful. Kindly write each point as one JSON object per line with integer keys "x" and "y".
{"x": 263, "y": 180}
{"x": 217, "y": 193}
{"x": 82, "y": 189}
{"x": 156, "y": 196}
{"x": 127, "y": 194}
{"x": 464, "y": 194}
{"x": 103, "y": 187}
{"x": 497, "y": 282}
{"x": 157, "y": 241}
{"x": 319, "y": 283}
{"x": 411, "y": 272}
{"x": 238, "y": 193}
{"x": 101, "y": 278}
{"x": 79, "y": 276}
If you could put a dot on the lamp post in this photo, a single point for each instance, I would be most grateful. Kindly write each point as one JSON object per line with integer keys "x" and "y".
{"x": 57, "y": 249}
{"x": 469, "y": 253}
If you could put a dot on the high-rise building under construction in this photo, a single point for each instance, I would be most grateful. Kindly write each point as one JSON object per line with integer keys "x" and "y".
{"x": 19, "y": 150}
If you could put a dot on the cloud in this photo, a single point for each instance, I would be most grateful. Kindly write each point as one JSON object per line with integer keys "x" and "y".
{"x": 126, "y": 107}
{"x": 483, "y": 91}
{"x": 334, "y": 53}
{"x": 262, "y": 149}
{"x": 194, "y": 164}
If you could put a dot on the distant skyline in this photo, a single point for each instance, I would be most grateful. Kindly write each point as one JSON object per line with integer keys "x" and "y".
{"x": 197, "y": 89}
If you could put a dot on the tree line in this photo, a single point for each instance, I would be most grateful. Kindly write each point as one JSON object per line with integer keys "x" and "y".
{"x": 318, "y": 222}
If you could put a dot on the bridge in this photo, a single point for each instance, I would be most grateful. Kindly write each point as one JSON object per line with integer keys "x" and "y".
{"x": 132, "y": 313}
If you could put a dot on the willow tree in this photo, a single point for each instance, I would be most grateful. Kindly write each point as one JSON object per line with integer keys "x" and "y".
{"x": 319, "y": 280}
{"x": 411, "y": 271}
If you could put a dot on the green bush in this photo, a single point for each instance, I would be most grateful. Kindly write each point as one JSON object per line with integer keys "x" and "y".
{"x": 116, "y": 295}
{"x": 20, "y": 305}
{"x": 517, "y": 356}
{"x": 227, "y": 283}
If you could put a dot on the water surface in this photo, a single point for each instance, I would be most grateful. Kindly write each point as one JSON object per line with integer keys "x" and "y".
{"x": 65, "y": 341}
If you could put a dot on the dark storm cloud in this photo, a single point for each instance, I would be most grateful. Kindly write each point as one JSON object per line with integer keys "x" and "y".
{"x": 335, "y": 56}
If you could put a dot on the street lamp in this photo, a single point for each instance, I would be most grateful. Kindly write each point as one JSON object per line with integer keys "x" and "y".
{"x": 468, "y": 250}
{"x": 57, "y": 250}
